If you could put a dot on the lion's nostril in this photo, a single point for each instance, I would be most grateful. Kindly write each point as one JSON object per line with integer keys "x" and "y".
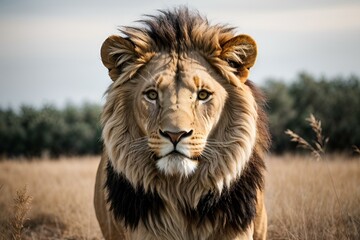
{"x": 187, "y": 134}
{"x": 175, "y": 137}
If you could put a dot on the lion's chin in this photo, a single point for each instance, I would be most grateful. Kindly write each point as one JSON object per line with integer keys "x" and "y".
{"x": 176, "y": 164}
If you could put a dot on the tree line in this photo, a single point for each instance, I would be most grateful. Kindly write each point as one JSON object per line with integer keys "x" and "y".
{"x": 32, "y": 132}
{"x": 75, "y": 130}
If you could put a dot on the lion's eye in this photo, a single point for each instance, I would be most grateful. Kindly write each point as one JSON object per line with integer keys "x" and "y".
{"x": 234, "y": 64}
{"x": 151, "y": 95}
{"x": 203, "y": 95}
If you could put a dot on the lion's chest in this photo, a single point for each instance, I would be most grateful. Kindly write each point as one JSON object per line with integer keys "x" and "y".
{"x": 153, "y": 216}
{"x": 177, "y": 227}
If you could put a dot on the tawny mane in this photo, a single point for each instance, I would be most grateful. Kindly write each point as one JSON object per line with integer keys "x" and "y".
{"x": 221, "y": 195}
{"x": 179, "y": 31}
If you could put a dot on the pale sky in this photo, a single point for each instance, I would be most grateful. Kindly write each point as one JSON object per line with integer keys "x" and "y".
{"x": 49, "y": 50}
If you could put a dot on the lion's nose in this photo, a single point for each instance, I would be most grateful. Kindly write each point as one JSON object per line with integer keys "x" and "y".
{"x": 175, "y": 137}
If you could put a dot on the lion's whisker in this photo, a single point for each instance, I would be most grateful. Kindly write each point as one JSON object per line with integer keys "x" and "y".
{"x": 210, "y": 141}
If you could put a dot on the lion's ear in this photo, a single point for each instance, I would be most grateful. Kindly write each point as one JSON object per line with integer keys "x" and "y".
{"x": 240, "y": 52}
{"x": 115, "y": 53}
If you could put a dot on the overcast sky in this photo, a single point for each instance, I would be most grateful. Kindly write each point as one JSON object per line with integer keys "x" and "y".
{"x": 49, "y": 50}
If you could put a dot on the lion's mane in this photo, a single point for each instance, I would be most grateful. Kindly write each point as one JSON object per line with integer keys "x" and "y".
{"x": 222, "y": 191}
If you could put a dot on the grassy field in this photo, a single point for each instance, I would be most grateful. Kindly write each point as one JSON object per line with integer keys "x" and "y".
{"x": 305, "y": 199}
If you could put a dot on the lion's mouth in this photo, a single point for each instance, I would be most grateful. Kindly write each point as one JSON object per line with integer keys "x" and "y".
{"x": 177, "y": 155}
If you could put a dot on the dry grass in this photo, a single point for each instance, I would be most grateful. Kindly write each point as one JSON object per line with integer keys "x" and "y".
{"x": 347, "y": 224}
{"x": 300, "y": 198}
{"x": 301, "y": 201}
{"x": 62, "y": 192}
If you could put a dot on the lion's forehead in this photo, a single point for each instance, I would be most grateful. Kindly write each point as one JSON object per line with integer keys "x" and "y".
{"x": 181, "y": 73}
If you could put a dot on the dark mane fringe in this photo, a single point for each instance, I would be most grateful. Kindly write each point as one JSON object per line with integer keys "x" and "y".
{"x": 170, "y": 28}
{"x": 178, "y": 29}
{"x": 131, "y": 205}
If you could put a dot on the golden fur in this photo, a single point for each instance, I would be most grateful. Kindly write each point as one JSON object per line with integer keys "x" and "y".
{"x": 162, "y": 136}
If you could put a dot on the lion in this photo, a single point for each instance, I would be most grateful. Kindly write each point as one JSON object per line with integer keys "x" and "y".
{"x": 184, "y": 133}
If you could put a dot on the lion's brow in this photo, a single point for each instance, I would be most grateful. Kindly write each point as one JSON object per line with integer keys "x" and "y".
{"x": 197, "y": 81}
{"x": 158, "y": 81}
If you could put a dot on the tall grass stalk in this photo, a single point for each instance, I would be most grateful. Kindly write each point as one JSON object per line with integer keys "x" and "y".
{"x": 318, "y": 147}
{"x": 22, "y": 205}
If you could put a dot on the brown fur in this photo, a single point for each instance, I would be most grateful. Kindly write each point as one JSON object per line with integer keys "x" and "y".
{"x": 214, "y": 188}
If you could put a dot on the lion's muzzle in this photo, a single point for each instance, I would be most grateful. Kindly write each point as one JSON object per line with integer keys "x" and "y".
{"x": 175, "y": 137}
{"x": 175, "y": 155}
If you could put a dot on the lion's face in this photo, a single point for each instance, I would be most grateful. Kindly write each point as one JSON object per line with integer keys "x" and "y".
{"x": 179, "y": 102}
{"x": 179, "y": 108}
